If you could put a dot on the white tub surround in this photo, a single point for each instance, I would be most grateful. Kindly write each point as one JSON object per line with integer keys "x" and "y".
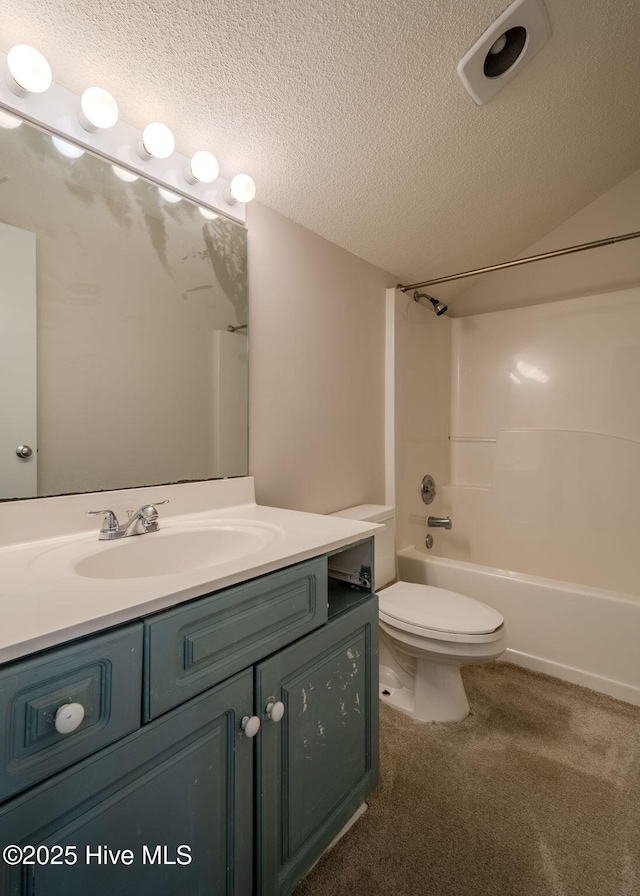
{"x": 545, "y": 446}
{"x": 588, "y": 636}
{"x": 45, "y": 601}
{"x": 557, "y": 503}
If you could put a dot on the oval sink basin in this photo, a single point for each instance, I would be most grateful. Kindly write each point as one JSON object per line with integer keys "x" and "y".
{"x": 170, "y": 551}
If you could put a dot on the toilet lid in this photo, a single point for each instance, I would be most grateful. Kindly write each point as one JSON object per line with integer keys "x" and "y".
{"x": 438, "y": 609}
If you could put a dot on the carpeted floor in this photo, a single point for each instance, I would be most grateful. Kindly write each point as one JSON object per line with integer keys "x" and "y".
{"x": 536, "y": 793}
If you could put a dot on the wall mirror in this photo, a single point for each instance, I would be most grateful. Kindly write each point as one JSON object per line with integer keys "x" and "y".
{"x": 117, "y": 365}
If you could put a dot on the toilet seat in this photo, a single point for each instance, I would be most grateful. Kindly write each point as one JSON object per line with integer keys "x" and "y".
{"x": 439, "y": 614}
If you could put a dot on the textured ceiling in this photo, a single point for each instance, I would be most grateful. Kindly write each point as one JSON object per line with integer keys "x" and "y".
{"x": 350, "y": 116}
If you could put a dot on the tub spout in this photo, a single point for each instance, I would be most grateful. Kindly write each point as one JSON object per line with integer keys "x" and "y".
{"x": 439, "y": 522}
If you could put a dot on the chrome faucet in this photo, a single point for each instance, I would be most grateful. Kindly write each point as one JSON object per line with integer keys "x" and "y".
{"x": 439, "y": 522}
{"x": 139, "y": 523}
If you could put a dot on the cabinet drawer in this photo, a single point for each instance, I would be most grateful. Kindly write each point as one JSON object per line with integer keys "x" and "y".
{"x": 192, "y": 648}
{"x": 103, "y": 674}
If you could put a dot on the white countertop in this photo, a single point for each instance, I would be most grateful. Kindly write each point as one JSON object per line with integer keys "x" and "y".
{"x": 45, "y": 603}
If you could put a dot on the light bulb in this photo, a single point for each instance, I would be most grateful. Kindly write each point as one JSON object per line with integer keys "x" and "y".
{"x": 70, "y": 150}
{"x": 9, "y": 121}
{"x": 498, "y": 45}
{"x": 157, "y": 141}
{"x": 29, "y": 71}
{"x": 127, "y": 176}
{"x": 98, "y": 109}
{"x": 210, "y": 216}
{"x": 203, "y": 167}
{"x": 168, "y": 195}
{"x": 242, "y": 189}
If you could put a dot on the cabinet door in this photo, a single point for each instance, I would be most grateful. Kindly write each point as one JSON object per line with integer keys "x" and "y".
{"x": 178, "y": 794}
{"x": 320, "y": 761}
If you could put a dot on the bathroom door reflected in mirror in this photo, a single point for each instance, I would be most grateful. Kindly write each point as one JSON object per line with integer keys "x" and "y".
{"x": 139, "y": 381}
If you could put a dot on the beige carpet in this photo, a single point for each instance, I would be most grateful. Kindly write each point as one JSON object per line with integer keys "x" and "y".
{"x": 536, "y": 793}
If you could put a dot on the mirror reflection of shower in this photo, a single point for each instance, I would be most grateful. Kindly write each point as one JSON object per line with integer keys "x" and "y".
{"x": 438, "y": 307}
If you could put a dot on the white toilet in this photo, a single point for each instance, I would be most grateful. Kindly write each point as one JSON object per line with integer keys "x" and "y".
{"x": 426, "y": 634}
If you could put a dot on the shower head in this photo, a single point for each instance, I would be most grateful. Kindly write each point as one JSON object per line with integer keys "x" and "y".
{"x": 438, "y": 307}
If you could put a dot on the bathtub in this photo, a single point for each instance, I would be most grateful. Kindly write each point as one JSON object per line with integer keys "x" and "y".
{"x": 584, "y": 635}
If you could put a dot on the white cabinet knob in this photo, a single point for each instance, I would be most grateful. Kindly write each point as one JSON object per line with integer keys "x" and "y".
{"x": 275, "y": 711}
{"x": 69, "y": 717}
{"x": 250, "y": 725}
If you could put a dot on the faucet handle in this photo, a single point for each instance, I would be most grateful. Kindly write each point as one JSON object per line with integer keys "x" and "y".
{"x": 110, "y": 519}
{"x": 148, "y": 509}
{"x": 147, "y": 515}
{"x": 149, "y": 512}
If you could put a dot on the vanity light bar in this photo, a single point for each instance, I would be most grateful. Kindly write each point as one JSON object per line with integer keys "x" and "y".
{"x": 64, "y": 115}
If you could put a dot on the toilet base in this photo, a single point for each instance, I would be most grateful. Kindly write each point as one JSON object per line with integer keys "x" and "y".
{"x": 438, "y": 695}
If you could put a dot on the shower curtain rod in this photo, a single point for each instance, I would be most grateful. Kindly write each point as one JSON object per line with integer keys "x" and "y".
{"x": 512, "y": 264}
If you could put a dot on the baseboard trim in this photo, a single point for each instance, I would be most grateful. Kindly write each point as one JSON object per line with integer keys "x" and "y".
{"x": 618, "y": 689}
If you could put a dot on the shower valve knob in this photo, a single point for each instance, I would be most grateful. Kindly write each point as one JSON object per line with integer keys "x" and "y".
{"x": 428, "y": 489}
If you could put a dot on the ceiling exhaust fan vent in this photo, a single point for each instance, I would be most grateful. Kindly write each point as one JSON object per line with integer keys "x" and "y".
{"x": 504, "y": 49}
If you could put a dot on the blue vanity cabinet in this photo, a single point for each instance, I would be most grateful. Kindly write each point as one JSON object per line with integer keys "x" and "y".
{"x": 318, "y": 763}
{"x": 201, "y": 808}
{"x": 178, "y": 794}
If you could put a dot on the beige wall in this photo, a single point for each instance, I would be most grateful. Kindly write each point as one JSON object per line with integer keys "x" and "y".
{"x": 586, "y": 273}
{"x": 316, "y": 370}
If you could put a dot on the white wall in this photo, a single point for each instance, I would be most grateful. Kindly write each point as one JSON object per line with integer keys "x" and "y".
{"x": 316, "y": 369}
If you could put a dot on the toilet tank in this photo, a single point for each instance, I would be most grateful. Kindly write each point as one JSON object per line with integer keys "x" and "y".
{"x": 384, "y": 539}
